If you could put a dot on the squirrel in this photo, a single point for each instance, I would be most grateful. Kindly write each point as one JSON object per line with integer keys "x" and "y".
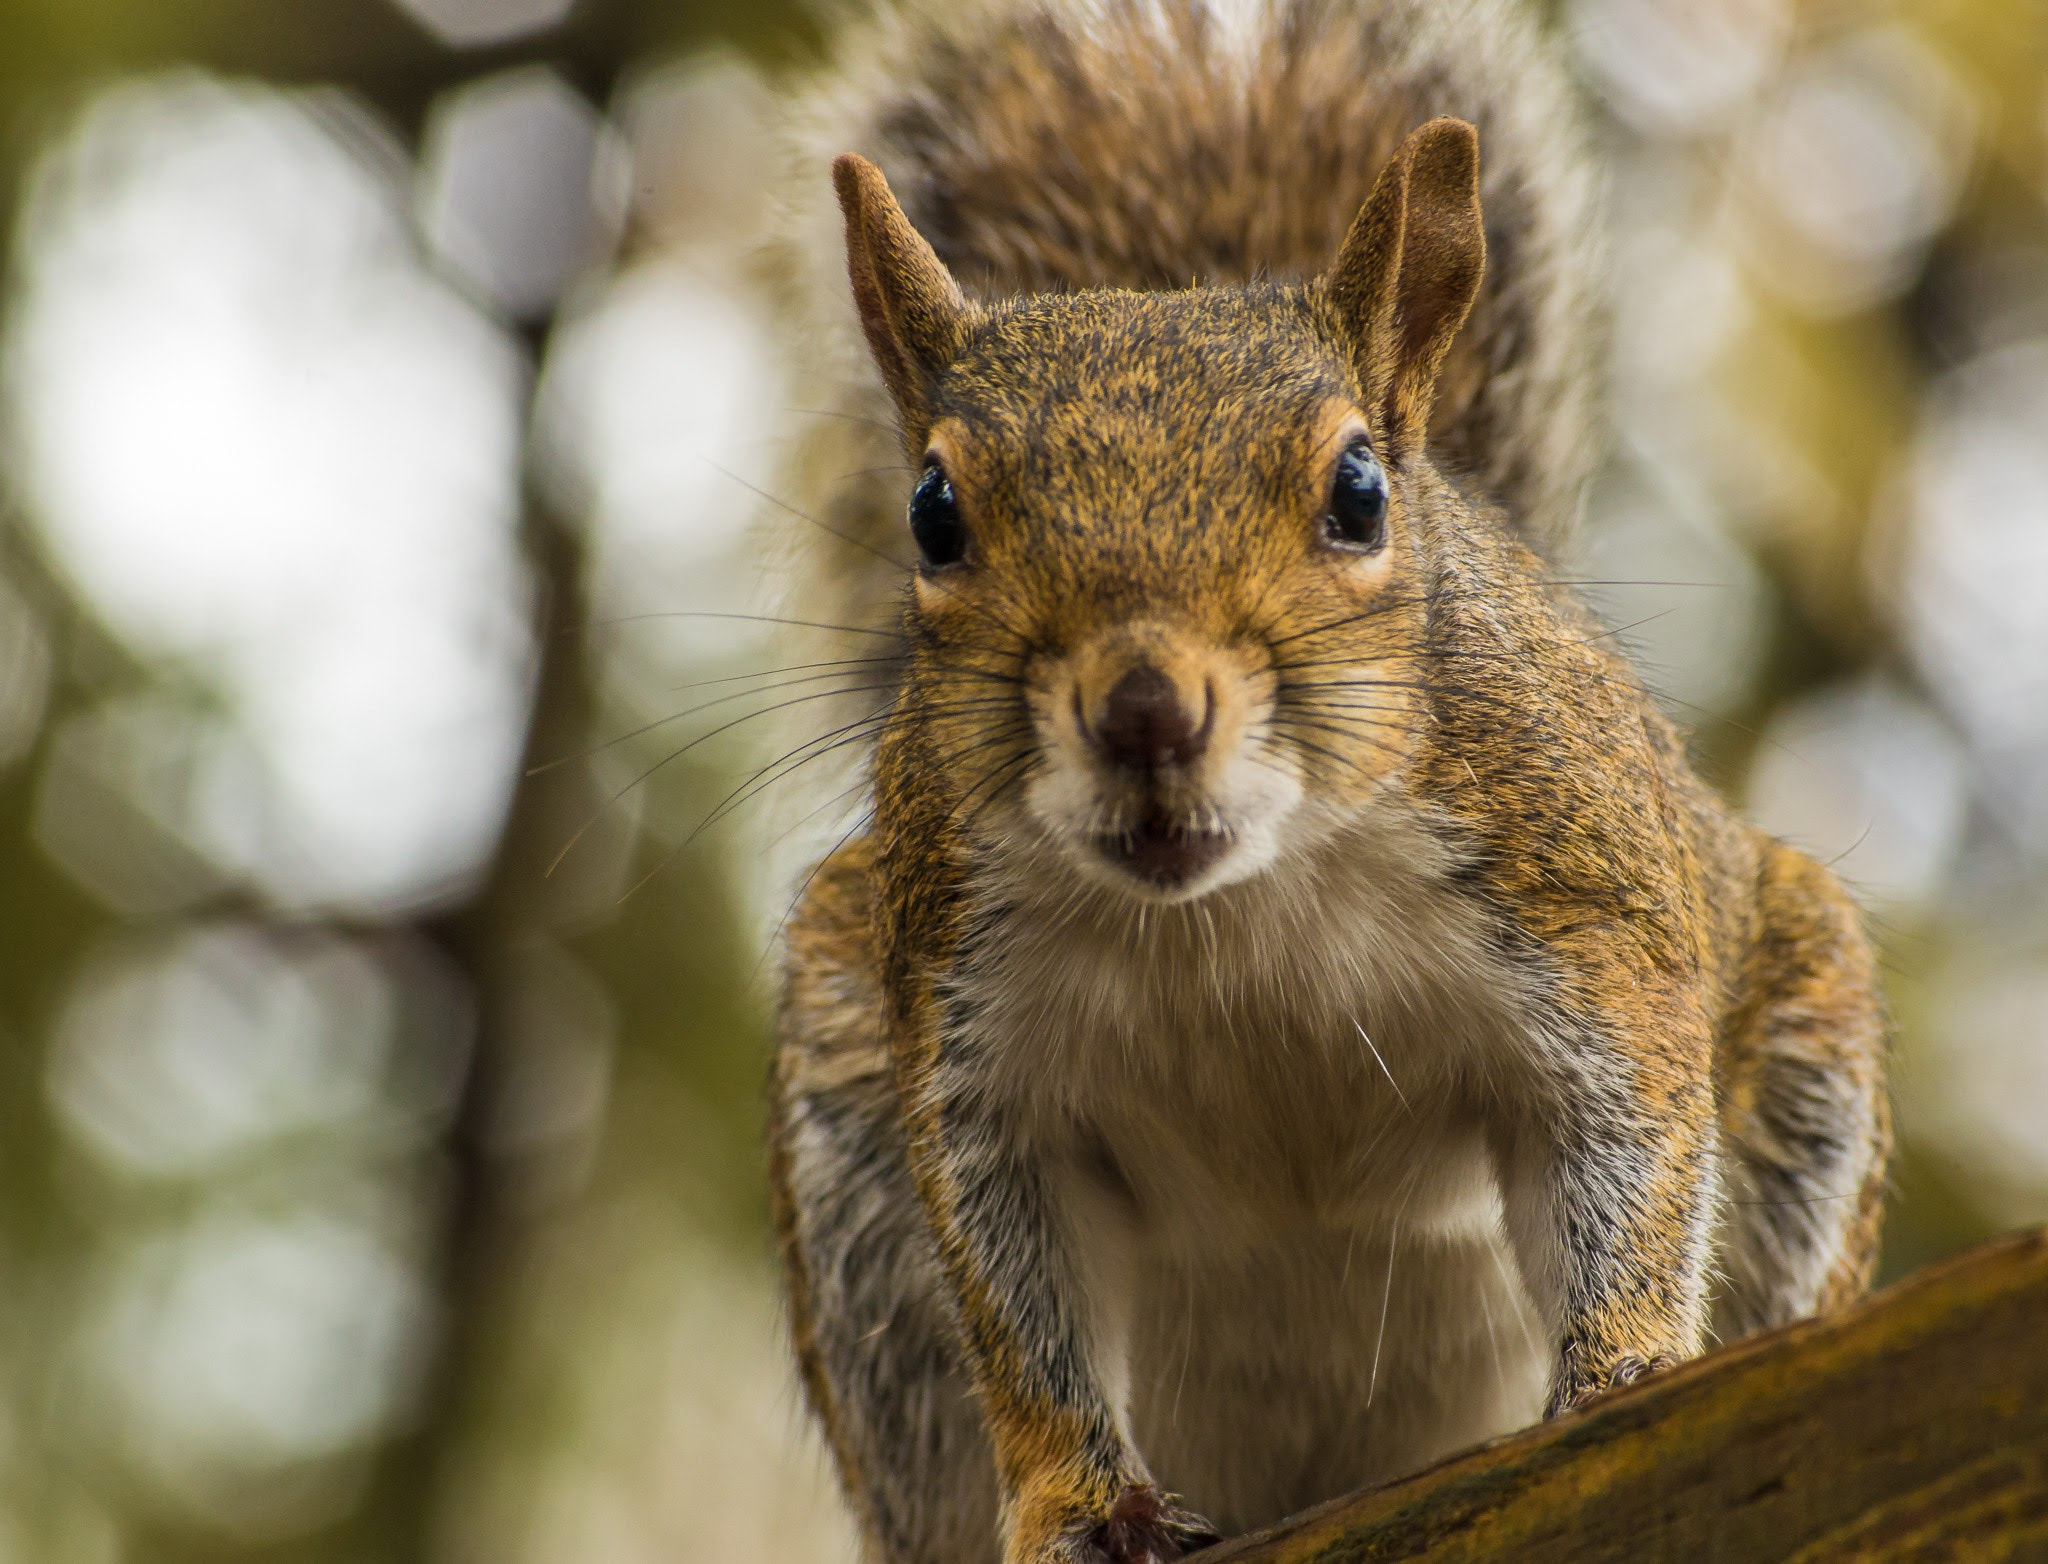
{"x": 1292, "y": 1011}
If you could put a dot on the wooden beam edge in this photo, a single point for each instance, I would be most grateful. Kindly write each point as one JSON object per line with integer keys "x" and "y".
{"x": 1717, "y": 1399}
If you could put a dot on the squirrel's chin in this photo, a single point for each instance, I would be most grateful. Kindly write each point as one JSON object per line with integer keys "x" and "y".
{"x": 1158, "y": 849}
{"x": 1160, "y": 862}
{"x": 1167, "y": 857}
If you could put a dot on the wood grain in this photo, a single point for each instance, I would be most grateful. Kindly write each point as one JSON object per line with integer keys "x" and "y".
{"x": 1913, "y": 1427}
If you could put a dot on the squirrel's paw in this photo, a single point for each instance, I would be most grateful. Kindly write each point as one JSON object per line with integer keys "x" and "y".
{"x": 1144, "y": 1526}
{"x": 1580, "y": 1386}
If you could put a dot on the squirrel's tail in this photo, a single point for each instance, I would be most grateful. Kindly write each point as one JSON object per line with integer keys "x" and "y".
{"x": 1055, "y": 144}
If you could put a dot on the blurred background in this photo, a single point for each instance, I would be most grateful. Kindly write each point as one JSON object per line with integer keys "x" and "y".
{"x": 384, "y": 883}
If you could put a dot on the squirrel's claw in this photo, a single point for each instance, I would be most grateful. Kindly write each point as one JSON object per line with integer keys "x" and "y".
{"x": 1146, "y": 1526}
{"x": 1581, "y": 1389}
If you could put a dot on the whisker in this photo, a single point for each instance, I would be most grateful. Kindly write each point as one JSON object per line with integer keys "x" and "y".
{"x": 859, "y": 825}
{"x": 691, "y": 711}
{"x": 1382, "y": 606}
{"x": 1347, "y": 762}
{"x": 583, "y": 829}
{"x": 1343, "y": 729}
{"x": 841, "y": 737}
{"x": 998, "y": 775}
{"x": 801, "y": 515}
{"x": 853, "y": 542}
{"x": 858, "y": 418}
{"x": 797, "y": 825}
{"x": 764, "y": 673}
{"x": 761, "y": 619}
{"x": 1386, "y": 1298}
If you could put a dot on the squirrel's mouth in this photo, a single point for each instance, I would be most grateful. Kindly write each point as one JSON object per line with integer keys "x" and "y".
{"x": 1163, "y": 852}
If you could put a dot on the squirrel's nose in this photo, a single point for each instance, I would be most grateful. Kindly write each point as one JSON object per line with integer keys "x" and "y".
{"x": 1145, "y": 724}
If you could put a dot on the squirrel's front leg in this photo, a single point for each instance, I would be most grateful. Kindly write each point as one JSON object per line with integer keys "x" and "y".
{"x": 1074, "y": 1490}
{"x": 1610, "y": 1192}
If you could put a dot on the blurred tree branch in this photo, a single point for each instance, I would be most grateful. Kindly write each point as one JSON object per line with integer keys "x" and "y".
{"x": 483, "y": 940}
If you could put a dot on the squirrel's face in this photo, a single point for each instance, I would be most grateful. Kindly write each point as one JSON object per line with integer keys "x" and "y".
{"x": 1169, "y": 601}
{"x": 1165, "y": 577}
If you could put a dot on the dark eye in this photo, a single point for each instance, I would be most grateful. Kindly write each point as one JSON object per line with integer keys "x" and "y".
{"x": 1357, "y": 517}
{"x": 935, "y": 519}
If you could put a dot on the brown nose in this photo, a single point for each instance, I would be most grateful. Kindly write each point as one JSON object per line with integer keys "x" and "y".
{"x": 1144, "y": 723}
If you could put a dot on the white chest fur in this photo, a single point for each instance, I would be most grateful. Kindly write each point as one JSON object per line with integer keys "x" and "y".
{"x": 1267, "y": 1114}
{"x": 1313, "y": 1040}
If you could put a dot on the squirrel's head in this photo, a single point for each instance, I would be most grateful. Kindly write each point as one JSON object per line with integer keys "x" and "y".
{"x": 1170, "y": 600}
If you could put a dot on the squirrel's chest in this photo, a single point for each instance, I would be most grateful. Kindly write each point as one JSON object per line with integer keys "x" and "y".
{"x": 1224, "y": 1070}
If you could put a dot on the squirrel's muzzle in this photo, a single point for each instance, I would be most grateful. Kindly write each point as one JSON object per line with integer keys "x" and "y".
{"x": 1146, "y": 721}
{"x": 1147, "y": 777}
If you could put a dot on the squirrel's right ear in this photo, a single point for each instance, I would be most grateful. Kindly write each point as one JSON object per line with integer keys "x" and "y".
{"x": 914, "y": 314}
{"x": 1407, "y": 274}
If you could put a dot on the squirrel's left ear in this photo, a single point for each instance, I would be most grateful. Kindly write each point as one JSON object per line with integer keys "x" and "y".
{"x": 1407, "y": 274}
{"x": 914, "y": 314}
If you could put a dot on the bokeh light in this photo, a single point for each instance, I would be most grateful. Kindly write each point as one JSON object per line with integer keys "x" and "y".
{"x": 268, "y": 446}
{"x": 513, "y": 187}
{"x": 471, "y": 24}
{"x": 244, "y": 1357}
{"x": 1973, "y": 574}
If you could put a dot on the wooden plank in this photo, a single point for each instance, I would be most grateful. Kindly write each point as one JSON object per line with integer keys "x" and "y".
{"x": 1912, "y": 1427}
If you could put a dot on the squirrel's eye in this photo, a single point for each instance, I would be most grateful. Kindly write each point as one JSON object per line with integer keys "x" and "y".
{"x": 1357, "y": 518}
{"x": 935, "y": 519}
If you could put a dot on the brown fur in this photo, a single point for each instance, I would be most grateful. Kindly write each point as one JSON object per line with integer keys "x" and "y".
{"x": 1475, "y": 1004}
